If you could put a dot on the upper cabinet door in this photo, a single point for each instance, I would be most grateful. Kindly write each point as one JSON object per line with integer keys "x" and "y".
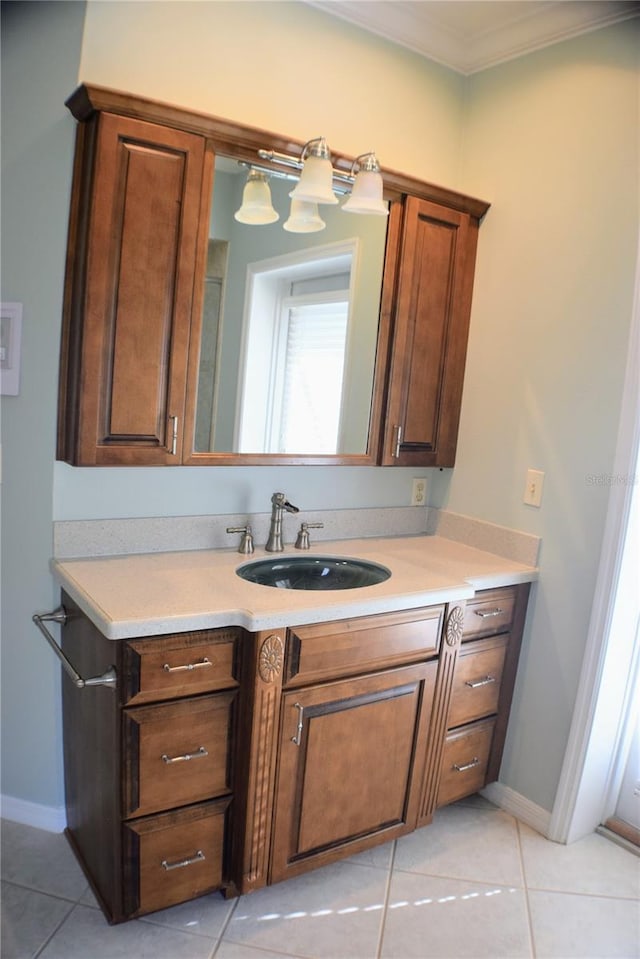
{"x": 132, "y": 255}
{"x": 431, "y": 323}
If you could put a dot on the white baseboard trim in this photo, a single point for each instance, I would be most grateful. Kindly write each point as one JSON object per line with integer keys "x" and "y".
{"x": 50, "y": 818}
{"x": 519, "y": 806}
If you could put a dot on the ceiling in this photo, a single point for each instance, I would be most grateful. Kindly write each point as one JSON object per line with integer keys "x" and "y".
{"x": 471, "y": 35}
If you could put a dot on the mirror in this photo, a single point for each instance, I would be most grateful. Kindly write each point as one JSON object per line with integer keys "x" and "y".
{"x": 289, "y": 328}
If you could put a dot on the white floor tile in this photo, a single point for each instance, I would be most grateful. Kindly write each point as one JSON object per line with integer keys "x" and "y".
{"x": 86, "y": 935}
{"x": 231, "y": 950}
{"x": 567, "y": 926}
{"x": 28, "y": 919}
{"x": 332, "y": 913}
{"x": 205, "y": 916}
{"x": 464, "y": 842}
{"x": 592, "y": 865}
{"x": 40, "y": 860}
{"x": 431, "y": 918}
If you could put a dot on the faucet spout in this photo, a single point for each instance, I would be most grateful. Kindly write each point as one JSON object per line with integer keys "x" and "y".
{"x": 279, "y": 503}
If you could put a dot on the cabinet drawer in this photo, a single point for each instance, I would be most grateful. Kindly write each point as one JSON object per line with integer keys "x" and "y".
{"x": 367, "y": 643}
{"x": 176, "y": 753}
{"x": 168, "y": 667}
{"x": 173, "y": 857}
{"x": 489, "y": 612}
{"x": 476, "y": 680}
{"x": 464, "y": 761}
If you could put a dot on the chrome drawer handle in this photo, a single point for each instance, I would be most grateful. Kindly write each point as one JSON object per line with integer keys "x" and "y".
{"x": 461, "y": 769}
{"x": 486, "y": 681}
{"x": 199, "y": 754}
{"x": 297, "y": 739}
{"x": 199, "y": 857}
{"x": 180, "y": 669}
{"x": 486, "y": 613}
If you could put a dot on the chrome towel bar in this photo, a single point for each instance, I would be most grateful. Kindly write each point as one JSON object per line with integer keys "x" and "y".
{"x": 59, "y": 615}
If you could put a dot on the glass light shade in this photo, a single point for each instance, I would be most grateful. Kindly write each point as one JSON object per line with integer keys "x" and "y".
{"x": 366, "y": 195}
{"x": 257, "y": 207}
{"x": 303, "y": 217}
{"x": 315, "y": 185}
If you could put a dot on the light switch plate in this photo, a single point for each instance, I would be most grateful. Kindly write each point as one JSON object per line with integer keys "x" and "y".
{"x": 10, "y": 344}
{"x": 533, "y": 488}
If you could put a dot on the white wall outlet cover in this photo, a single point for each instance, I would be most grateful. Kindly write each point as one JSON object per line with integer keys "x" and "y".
{"x": 419, "y": 492}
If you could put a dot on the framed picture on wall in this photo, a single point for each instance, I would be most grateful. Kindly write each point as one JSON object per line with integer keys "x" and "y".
{"x": 10, "y": 341}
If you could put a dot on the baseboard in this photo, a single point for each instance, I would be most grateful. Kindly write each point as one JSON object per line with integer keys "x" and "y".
{"x": 519, "y": 806}
{"x": 49, "y": 818}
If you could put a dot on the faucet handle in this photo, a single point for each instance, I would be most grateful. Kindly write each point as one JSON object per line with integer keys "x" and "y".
{"x": 246, "y": 543}
{"x": 302, "y": 541}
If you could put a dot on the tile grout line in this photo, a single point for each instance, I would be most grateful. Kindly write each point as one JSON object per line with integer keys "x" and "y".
{"x": 532, "y": 940}
{"x": 387, "y": 896}
{"x": 40, "y": 949}
{"x": 225, "y": 926}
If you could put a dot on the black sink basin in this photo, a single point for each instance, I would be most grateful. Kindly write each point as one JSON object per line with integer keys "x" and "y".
{"x": 314, "y": 572}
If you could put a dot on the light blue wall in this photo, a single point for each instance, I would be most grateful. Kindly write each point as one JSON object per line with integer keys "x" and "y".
{"x": 40, "y": 56}
{"x": 552, "y": 141}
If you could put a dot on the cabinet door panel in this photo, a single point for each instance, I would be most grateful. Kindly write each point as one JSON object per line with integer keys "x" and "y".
{"x": 129, "y": 294}
{"x": 430, "y": 336}
{"x": 349, "y": 754}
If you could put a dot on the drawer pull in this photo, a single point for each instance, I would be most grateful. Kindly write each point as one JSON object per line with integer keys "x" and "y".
{"x": 199, "y": 754}
{"x": 487, "y": 613}
{"x": 180, "y": 669}
{"x": 297, "y": 739}
{"x": 461, "y": 769}
{"x": 199, "y": 857}
{"x": 485, "y": 681}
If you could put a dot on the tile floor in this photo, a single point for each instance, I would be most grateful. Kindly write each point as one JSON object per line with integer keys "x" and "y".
{"x": 475, "y": 883}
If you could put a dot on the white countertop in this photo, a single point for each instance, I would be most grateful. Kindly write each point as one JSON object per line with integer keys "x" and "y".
{"x": 152, "y": 594}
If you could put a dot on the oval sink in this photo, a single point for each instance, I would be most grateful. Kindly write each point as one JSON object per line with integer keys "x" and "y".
{"x": 314, "y": 572}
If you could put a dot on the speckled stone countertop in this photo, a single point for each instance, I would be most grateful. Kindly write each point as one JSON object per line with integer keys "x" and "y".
{"x": 151, "y": 594}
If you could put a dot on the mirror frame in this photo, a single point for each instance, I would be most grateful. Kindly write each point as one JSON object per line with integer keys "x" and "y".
{"x": 242, "y": 142}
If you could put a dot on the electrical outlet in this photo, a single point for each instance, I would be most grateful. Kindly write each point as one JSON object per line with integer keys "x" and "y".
{"x": 533, "y": 488}
{"x": 419, "y": 492}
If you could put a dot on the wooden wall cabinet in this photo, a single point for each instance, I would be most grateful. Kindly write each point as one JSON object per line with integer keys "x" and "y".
{"x": 225, "y": 760}
{"x": 431, "y": 310}
{"x": 136, "y": 261}
{"x": 130, "y": 285}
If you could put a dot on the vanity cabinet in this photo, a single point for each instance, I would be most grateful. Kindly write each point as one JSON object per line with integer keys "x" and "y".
{"x": 481, "y": 691}
{"x": 132, "y": 352}
{"x": 351, "y": 751}
{"x": 225, "y": 760}
{"x": 149, "y": 765}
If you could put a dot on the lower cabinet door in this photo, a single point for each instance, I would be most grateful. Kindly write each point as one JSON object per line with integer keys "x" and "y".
{"x": 464, "y": 761}
{"x": 173, "y": 857}
{"x": 349, "y": 755}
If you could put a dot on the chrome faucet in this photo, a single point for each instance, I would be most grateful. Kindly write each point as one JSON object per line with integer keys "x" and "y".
{"x": 279, "y": 504}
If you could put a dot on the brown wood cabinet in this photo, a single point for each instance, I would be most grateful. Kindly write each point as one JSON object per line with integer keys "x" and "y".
{"x": 227, "y": 760}
{"x": 148, "y": 787}
{"x": 130, "y": 285}
{"x": 136, "y": 263}
{"x": 481, "y": 691}
{"x": 431, "y": 310}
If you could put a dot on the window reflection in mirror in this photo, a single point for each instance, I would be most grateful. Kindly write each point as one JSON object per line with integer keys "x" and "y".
{"x": 289, "y": 330}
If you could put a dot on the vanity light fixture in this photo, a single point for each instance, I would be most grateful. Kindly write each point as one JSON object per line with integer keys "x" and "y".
{"x": 319, "y": 182}
{"x": 303, "y": 217}
{"x": 366, "y": 195}
{"x": 316, "y": 179}
{"x": 257, "y": 207}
